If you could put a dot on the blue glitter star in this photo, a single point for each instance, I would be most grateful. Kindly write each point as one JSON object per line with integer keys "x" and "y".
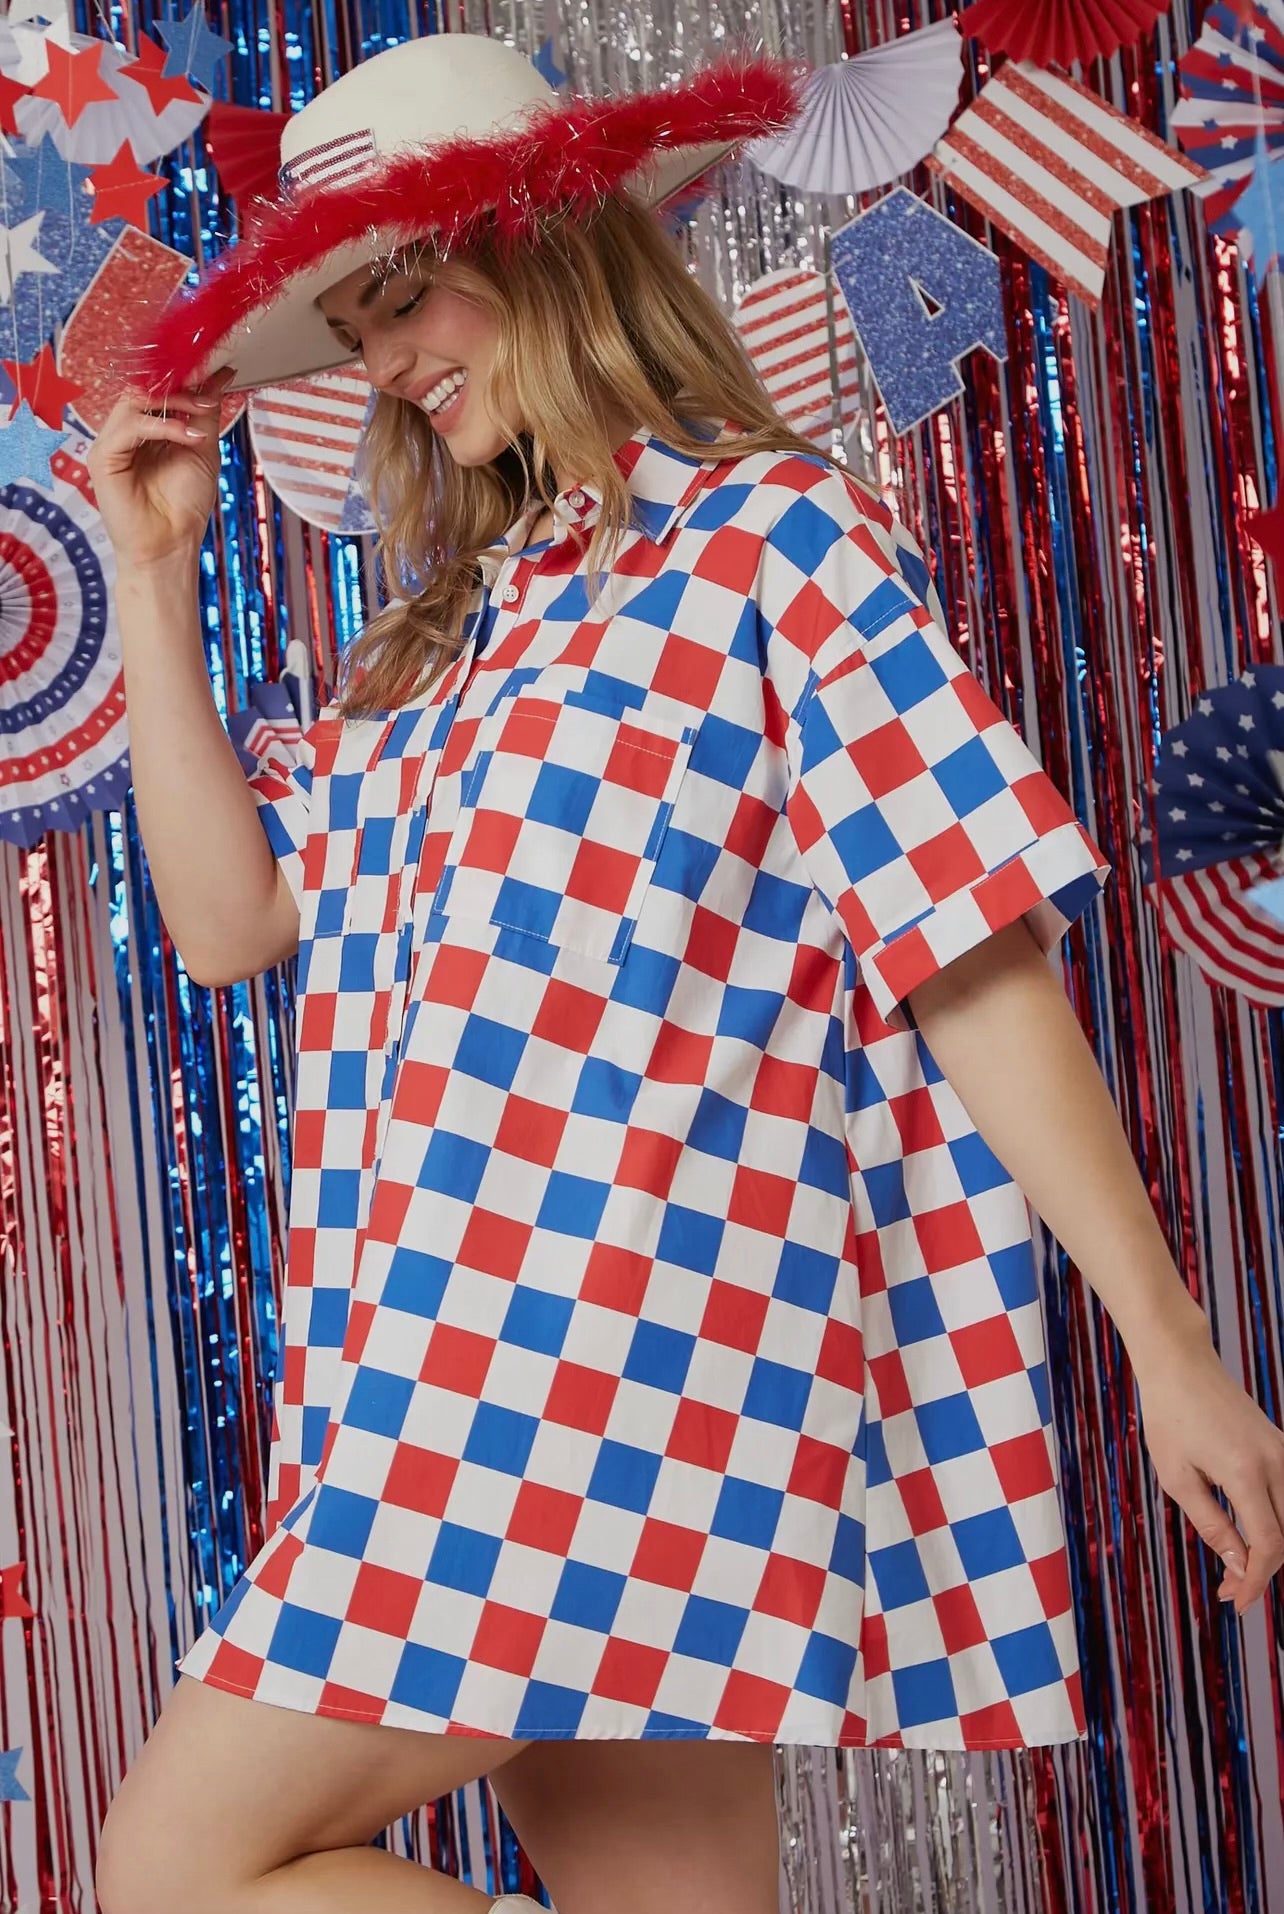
{"x": 194, "y": 50}
{"x": 546, "y": 66}
{"x": 26, "y": 449}
{"x": 36, "y": 179}
{"x": 11, "y": 1789}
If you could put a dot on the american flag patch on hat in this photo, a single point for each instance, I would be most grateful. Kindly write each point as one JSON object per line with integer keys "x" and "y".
{"x": 326, "y": 165}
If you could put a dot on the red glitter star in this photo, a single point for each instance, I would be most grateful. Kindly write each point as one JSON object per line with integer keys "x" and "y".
{"x": 74, "y": 80}
{"x": 147, "y": 69}
{"x": 10, "y": 92}
{"x": 1266, "y": 529}
{"x": 40, "y": 383}
{"x": 122, "y": 189}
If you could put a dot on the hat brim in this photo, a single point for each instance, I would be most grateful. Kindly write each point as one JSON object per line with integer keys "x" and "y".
{"x": 290, "y": 339}
{"x": 256, "y": 308}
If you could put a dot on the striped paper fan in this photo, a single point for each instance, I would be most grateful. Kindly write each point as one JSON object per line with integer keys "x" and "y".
{"x": 268, "y": 720}
{"x": 1218, "y": 842}
{"x": 798, "y": 335}
{"x": 867, "y": 120}
{"x": 305, "y": 437}
{"x": 1213, "y": 916}
{"x": 1232, "y": 83}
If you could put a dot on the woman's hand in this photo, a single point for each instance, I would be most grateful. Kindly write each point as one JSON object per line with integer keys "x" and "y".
{"x": 154, "y": 468}
{"x": 1203, "y": 1432}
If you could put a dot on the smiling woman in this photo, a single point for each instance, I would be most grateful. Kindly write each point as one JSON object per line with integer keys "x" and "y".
{"x": 421, "y": 342}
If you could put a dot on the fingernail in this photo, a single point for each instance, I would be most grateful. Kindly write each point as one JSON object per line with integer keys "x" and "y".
{"x": 194, "y": 431}
{"x": 1234, "y": 1562}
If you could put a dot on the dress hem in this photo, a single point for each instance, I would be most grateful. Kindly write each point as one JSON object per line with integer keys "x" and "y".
{"x": 767, "y": 1736}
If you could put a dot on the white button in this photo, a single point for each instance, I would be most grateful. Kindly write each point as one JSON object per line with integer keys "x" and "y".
{"x": 576, "y": 499}
{"x": 511, "y": 594}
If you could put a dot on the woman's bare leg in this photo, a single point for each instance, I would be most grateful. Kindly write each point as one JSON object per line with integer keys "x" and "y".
{"x": 648, "y": 1827}
{"x": 234, "y": 1807}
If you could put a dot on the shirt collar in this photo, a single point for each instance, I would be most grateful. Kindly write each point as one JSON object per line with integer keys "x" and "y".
{"x": 662, "y": 483}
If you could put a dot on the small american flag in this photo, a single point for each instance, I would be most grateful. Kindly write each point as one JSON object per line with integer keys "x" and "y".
{"x": 328, "y": 164}
{"x": 1049, "y": 164}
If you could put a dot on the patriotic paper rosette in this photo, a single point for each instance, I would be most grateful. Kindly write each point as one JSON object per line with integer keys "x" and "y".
{"x": 276, "y": 713}
{"x": 1216, "y": 856}
{"x": 62, "y": 693}
{"x": 1232, "y": 83}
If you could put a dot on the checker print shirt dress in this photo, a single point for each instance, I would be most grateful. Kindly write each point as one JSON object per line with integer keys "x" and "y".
{"x": 662, "y": 1346}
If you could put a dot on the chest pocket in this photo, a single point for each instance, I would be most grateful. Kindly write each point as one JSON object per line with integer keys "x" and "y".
{"x": 562, "y": 816}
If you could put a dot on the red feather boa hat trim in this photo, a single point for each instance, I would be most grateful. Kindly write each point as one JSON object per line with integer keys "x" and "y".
{"x": 566, "y": 156}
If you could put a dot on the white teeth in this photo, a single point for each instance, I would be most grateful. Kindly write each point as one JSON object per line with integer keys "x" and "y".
{"x": 445, "y": 390}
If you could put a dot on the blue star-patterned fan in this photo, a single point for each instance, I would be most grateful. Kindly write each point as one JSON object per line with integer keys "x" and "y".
{"x": 1217, "y": 854}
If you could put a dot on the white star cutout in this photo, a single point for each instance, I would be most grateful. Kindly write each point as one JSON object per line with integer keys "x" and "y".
{"x": 18, "y": 254}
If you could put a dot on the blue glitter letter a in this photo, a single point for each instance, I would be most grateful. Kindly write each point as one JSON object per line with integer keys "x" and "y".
{"x": 921, "y": 295}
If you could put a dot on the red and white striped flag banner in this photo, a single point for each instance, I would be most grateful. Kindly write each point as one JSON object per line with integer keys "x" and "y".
{"x": 1050, "y": 164}
{"x": 799, "y": 337}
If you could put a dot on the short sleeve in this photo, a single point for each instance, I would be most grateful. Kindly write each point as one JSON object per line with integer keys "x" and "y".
{"x": 924, "y": 821}
{"x": 281, "y": 784}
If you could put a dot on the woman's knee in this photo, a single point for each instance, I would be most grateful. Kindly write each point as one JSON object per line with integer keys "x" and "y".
{"x": 142, "y": 1870}
{"x": 226, "y": 1790}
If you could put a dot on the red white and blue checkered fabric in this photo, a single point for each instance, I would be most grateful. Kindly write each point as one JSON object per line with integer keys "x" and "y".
{"x": 663, "y": 1350}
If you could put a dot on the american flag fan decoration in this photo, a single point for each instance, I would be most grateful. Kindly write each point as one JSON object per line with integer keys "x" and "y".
{"x": 798, "y": 335}
{"x": 305, "y": 437}
{"x": 62, "y": 693}
{"x": 279, "y": 711}
{"x": 1217, "y": 851}
{"x": 1050, "y": 164}
{"x": 1232, "y": 83}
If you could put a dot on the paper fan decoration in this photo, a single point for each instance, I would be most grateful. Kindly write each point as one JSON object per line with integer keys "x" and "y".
{"x": 244, "y": 143}
{"x": 102, "y": 127}
{"x": 305, "y": 437}
{"x": 1218, "y": 847}
{"x": 1232, "y": 83}
{"x": 867, "y": 120}
{"x": 63, "y": 741}
{"x": 1059, "y": 32}
{"x": 278, "y": 712}
{"x": 798, "y": 335}
{"x": 268, "y": 721}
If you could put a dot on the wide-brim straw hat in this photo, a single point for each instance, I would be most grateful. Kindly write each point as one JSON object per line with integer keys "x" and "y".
{"x": 426, "y": 141}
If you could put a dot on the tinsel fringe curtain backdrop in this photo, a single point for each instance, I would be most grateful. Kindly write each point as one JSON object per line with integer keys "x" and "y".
{"x": 1086, "y": 502}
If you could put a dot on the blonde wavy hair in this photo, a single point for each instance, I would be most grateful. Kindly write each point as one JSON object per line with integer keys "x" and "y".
{"x": 600, "y": 318}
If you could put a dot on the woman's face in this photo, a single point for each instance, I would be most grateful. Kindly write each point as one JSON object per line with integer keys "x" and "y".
{"x": 425, "y": 344}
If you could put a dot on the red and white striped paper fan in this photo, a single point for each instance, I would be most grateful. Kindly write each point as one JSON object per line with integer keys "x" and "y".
{"x": 799, "y": 337}
{"x": 305, "y": 437}
{"x": 1209, "y": 914}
